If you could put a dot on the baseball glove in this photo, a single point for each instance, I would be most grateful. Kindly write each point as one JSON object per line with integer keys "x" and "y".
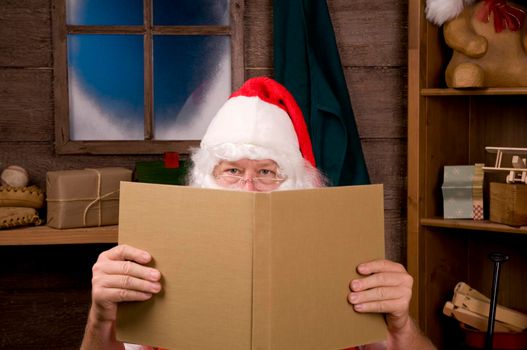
{"x": 30, "y": 197}
{"x": 18, "y": 216}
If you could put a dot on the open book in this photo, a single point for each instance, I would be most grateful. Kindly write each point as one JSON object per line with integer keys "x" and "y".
{"x": 246, "y": 270}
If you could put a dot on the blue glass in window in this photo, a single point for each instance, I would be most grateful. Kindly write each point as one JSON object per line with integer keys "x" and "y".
{"x": 104, "y": 12}
{"x": 191, "y": 12}
{"x": 192, "y": 79}
{"x": 106, "y": 89}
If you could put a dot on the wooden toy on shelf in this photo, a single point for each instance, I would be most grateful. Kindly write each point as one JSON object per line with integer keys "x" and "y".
{"x": 518, "y": 170}
{"x": 508, "y": 201}
{"x": 471, "y": 309}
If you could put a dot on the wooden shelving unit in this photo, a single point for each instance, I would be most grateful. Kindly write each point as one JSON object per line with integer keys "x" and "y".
{"x": 452, "y": 127}
{"x": 479, "y": 92}
{"x": 44, "y": 235}
{"x": 468, "y": 224}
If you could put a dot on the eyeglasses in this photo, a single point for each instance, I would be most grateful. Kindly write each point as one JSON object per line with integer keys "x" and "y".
{"x": 260, "y": 183}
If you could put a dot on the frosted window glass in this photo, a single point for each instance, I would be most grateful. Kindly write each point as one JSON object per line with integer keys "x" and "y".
{"x": 106, "y": 89}
{"x": 192, "y": 79}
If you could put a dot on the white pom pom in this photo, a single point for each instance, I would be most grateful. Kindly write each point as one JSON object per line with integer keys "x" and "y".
{"x": 14, "y": 176}
{"x": 440, "y": 11}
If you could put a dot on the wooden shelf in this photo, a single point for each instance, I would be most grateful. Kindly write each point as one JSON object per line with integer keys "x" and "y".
{"x": 44, "y": 235}
{"x": 453, "y": 126}
{"x": 468, "y": 224}
{"x": 473, "y": 92}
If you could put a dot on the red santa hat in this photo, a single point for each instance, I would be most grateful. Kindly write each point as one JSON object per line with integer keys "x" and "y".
{"x": 259, "y": 121}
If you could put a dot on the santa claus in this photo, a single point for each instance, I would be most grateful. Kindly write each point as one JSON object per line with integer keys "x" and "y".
{"x": 258, "y": 141}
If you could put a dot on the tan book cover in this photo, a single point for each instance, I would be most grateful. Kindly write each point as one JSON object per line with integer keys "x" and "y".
{"x": 246, "y": 270}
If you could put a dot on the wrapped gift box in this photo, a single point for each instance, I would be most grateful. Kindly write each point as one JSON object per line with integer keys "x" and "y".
{"x": 463, "y": 192}
{"x": 82, "y": 198}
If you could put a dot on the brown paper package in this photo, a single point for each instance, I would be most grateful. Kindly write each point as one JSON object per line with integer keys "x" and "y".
{"x": 84, "y": 198}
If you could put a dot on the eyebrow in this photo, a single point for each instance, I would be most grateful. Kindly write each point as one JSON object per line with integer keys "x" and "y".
{"x": 268, "y": 163}
{"x": 265, "y": 164}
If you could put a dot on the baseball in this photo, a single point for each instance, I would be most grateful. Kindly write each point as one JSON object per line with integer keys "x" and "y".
{"x": 14, "y": 176}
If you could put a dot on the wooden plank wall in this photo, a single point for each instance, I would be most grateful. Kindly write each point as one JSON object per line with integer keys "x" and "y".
{"x": 45, "y": 290}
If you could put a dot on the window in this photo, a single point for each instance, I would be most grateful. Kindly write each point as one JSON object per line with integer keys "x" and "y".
{"x": 142, "y": 76}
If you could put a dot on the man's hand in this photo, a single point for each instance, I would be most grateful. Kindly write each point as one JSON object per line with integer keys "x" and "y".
{"x": 387, "y": 288}
{"x": 119, "y": 275}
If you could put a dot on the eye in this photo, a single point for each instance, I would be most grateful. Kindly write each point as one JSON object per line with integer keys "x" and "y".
{"x": 232, "y": 171}
{"x": 266, "y": 173}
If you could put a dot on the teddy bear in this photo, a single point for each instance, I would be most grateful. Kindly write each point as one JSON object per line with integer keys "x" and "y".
{"x": 489, "y": 42}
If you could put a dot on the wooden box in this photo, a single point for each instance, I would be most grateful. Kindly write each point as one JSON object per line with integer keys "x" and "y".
{"x": 508, "y": 203}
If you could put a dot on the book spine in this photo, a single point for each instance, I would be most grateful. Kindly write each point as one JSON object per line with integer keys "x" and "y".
{"x": 261, "y": 313}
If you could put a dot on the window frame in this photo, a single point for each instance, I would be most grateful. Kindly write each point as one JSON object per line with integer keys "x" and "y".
{"x": 63, "y": 142}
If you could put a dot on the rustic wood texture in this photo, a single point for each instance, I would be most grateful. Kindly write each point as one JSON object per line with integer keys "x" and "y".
{"x": 415, "y": 136}
{"x": 371, "y": 35}
{"x": 258, "y": 21}
{"x": 25, "y": 32}
{"x": 26, "y": 110}
{"x": 378, "y": 101}
{"x": 508, "y": 203}
{"x": 45, "y": 235}
{"x": 39, "y": 158}
{"x": 148, "y": 74}
{"x": 237, "y": 43}
{"x": 386, "y": 162}
{"x": 450, "y": 118}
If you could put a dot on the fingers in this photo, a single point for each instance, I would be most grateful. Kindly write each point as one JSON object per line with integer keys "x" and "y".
{"x": 127, "y": 283}
{"x": 118, "y": 275}
{"x": 386, "y": 288}
{"x": 376, "y": 266}
{"x": 126, "y": 252}
{"x": 119, "y": 288}
{"x": 382, "y": 299}
{"x": 378, "y": 294}
{"x": 126, "y": 268}
{"x": 121, "y": 295}
{"x": 386, "y": 279}
{"x": 390, "y": 307}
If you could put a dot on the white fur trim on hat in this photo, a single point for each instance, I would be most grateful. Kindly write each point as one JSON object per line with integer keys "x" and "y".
{"x": 248, "y": 127}
{"x": 251, "y": 121}
{"x": 440, "y": 11}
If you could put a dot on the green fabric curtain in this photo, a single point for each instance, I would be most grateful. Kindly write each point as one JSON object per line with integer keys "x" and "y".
{"x": 307, "y": 62}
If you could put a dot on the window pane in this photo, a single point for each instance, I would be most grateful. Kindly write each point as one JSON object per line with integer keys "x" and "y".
{"x": 106, "y": 89}
{"x": 191, "y": 12}
{"x": 104, "y": 12}
{"x": 192, "y": 79}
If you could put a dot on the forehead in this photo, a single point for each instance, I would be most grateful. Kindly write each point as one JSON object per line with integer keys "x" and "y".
{"x": 248, "y": 163}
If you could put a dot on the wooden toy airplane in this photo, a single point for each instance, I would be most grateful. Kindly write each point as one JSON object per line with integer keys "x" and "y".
{"x": 518, "y": 172}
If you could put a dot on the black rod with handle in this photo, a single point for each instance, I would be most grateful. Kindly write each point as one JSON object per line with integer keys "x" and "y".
{"x": 497, "y": 258}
